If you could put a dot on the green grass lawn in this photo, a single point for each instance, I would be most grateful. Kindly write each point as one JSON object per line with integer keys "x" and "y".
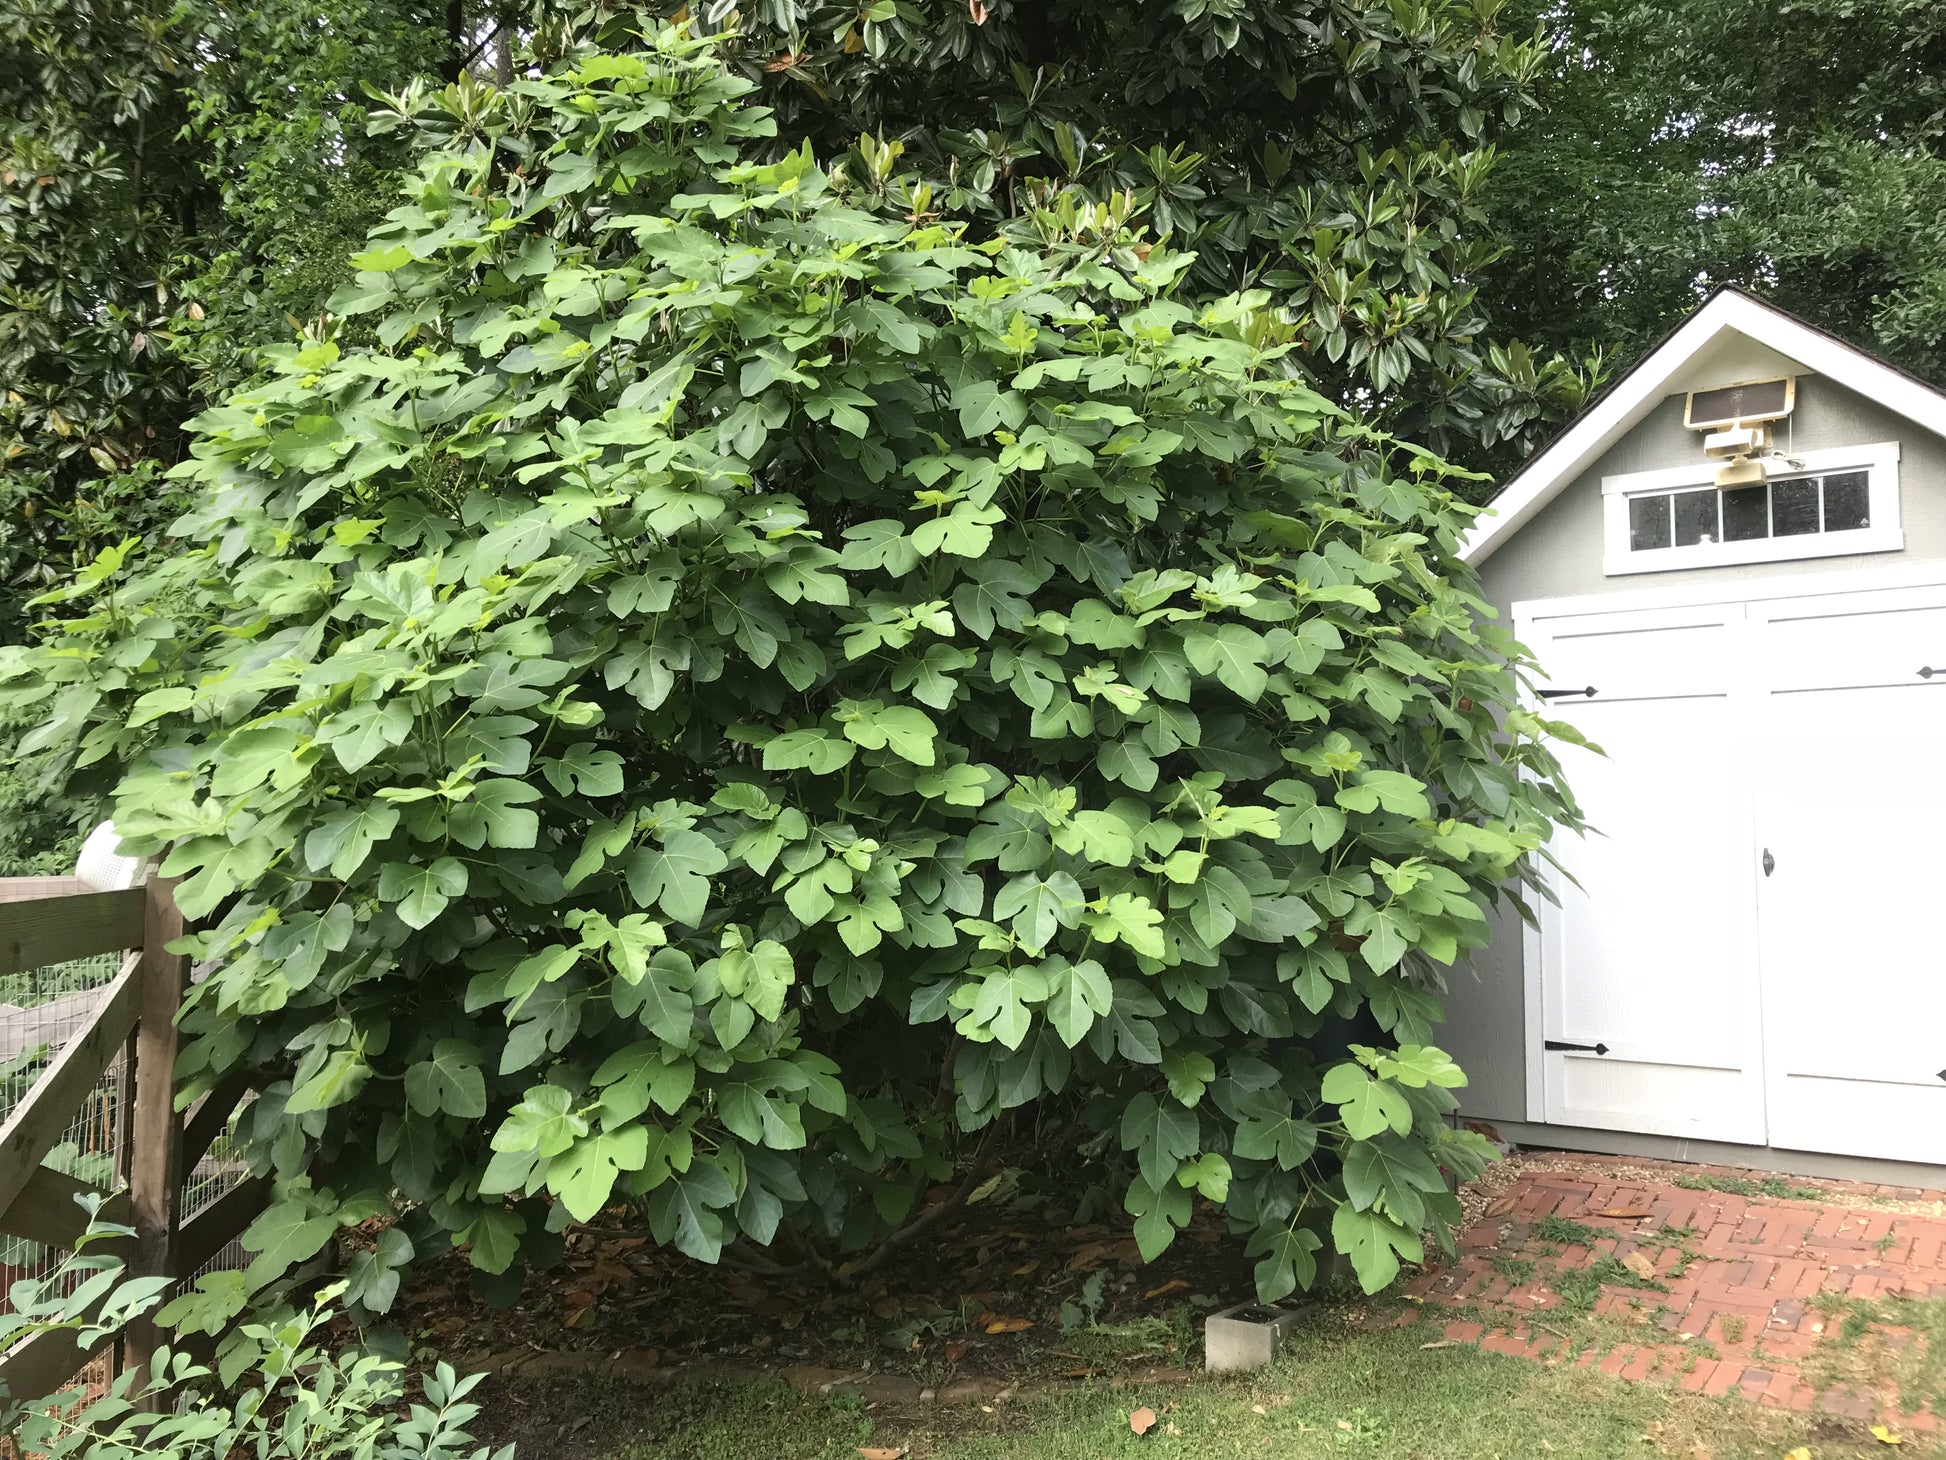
{"x": 1337, "y": 1394}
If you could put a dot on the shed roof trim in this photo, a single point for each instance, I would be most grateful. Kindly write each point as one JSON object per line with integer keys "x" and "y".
{"x": 1638, "y": 392}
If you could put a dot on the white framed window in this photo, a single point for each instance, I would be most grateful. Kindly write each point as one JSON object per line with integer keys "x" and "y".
{"x": 1818, "y": 504}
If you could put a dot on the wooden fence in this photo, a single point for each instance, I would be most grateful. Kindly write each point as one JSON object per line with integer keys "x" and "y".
{"x": 53, "y": 920}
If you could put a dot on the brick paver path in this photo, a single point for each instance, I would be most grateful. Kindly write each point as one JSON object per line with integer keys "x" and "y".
{"x": 1758, "y": 1287}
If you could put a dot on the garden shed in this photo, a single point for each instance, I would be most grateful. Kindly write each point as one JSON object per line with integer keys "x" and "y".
{"x": 1732, "y": 568}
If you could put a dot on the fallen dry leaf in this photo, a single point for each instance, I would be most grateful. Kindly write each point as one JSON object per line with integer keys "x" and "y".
{"x": 1174, "y": 1285}
{"x": 887, "y": 1308}
{"x": 1626, "y": 1214}
{"x": 978, "y": 10}
{"x": 1142, "y": 1420}
{"x": 1885, "y": 1436}
{"x": 1009, "y": 1325}
{"x": 1640, "y": 1265}
{"x": 1802, "y": 1452}
{"x": 1090, "y": 1256}
{"x": 1701, "y": 1452}
{"x": 1441, "y": 1343}
{"x": 955, "y": 1351}
{"x": 879, "y": 1452}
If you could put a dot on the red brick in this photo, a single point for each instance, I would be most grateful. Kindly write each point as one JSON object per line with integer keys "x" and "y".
{"x": 1845, "y": 1404}
{"x": 1698, "y": 1377}
{"x": 1726, "y": 1377}
{"x": 1464, "y": 1332}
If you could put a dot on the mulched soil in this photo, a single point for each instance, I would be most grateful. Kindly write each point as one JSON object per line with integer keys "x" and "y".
{"x": 981, "y": 1295}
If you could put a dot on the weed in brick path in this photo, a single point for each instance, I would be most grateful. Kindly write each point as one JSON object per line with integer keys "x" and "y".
{"x": 1583, "y": 1332}
{"x": 1581, "y": 1287}
{"x": 1513, "y": 1269}
{"x": 1578, "y": 1289}
{"x": 1773, "y": 1186}
{"x": 1670, "y": 1236}
{"x": 1732, "y": 1326}
{"x": 1831, "y": 1305}
{"x": 1568, "y": 1234}
{"x": 1886, "y": 1243}
{"x": 1684, "y": 1258}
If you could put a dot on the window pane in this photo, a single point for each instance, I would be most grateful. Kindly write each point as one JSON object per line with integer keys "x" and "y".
{"x": 1847, "y": 502}
{"x": 1794, "y": 507}
{"x": 1696, "y": 516}
{"x": 1746, "y": 514}
{"x": 1648, "y": 523}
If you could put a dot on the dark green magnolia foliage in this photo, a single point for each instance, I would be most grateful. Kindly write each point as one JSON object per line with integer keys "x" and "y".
{"x": 177, "y": 178}
{"x": 1335, "y": 151}
{"x": 736, "y": 692}
{"x": 1797, "y": 149}
{"x": 91, "y": 198}
{"x": 180, "y": 181}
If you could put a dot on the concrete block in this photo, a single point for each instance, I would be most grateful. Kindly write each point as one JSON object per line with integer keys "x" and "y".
{"x": 1246, "y": 1336}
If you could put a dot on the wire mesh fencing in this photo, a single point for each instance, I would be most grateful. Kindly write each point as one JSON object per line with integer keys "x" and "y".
{"x": 42, "y": 1009}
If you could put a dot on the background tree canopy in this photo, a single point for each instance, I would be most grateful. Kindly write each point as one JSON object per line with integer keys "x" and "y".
{"x": 180, "y": 183}
{"x": 741, "y": 700}
{"x": 175, "y": 180}
{"x": 1336, "y": 153}
{"x": 1794, "y": 149}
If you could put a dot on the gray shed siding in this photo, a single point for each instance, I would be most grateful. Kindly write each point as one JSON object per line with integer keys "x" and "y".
{"x": 1559, "y": 555}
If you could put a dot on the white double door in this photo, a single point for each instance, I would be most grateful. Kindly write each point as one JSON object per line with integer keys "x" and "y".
{"x": 1753, "y": 949}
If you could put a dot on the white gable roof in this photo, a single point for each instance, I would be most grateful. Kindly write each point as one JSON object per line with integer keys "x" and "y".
{"x": 1731, "y": 337}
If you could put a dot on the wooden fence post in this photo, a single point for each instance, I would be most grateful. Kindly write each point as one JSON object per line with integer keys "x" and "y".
{"x": 155, "y": 1132}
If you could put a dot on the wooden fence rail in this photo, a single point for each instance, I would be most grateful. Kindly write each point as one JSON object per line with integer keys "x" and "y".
{"x": 46, "y": 921}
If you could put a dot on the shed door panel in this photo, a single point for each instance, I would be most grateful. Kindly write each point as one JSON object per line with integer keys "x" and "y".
{"x": 1851, "y": 792}
{"x": 1653, "y": 955}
